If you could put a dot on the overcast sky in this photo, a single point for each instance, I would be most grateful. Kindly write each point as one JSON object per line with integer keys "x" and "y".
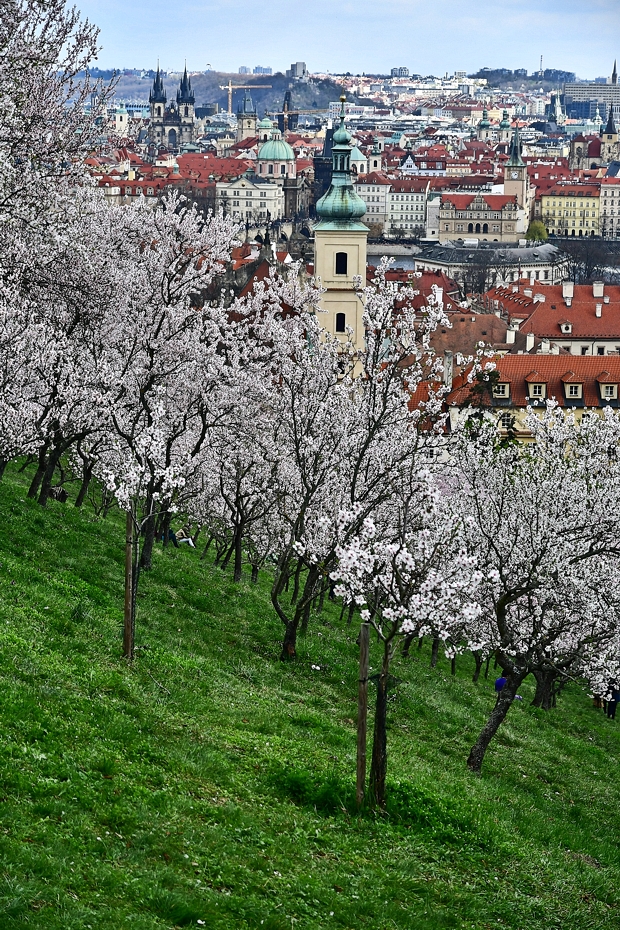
{"x": 362, "y": 36}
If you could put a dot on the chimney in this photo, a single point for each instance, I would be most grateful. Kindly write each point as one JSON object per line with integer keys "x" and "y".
{"x": 568, "y": 289}
{"x": 569, "y": 301}
{"x": 598, "y": 289}
{"x": 532, "y": 280}
{"x": 599, "y": 310}
{"x": 545, "y": 345}
{"x": 527, "y": 292}
{"x": 447, "y": 369}
{"x": 529, "y": 342}
{"x": 510, "y": 337}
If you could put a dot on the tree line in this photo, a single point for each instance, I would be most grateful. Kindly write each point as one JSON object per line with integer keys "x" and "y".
{"x": 285, "y": 448}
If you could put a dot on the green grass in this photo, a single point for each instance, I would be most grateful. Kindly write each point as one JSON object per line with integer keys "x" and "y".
{"x": 210, "y": 782}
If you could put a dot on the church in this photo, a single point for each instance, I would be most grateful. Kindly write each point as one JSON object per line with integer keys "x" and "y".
{"x": 340, "y": 245}
{"x": 171, "y": 126}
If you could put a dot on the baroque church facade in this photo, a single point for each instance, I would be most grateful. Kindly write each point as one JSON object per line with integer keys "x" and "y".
{"x": 171, "y": 125}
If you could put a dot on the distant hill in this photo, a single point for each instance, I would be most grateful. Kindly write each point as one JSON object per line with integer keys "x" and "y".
{"x": 314, "y": 95}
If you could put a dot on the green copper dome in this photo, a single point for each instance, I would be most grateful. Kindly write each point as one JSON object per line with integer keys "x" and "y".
{"x": 265, "y": 123}
{"x": 505, "y": 123}
{"x": 276, "y": 149}
{"x": 484, "y": 122}
{"x": 341, "y": 207}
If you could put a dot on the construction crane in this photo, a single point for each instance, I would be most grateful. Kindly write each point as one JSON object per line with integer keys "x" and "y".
{"x": 230, "y": 87}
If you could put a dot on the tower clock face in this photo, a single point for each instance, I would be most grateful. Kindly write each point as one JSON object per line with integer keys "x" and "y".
{"x": 514, "y": 175}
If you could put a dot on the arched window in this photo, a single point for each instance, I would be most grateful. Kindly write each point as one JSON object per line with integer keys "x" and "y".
{"x": 282, "y": 169}
{"x": 186, "y": 111}
{"x": 159, "y": 111}
{"x": 341, "y": 322}
{"x": 478, "y": 227}
{"x": 341, "y": 264}
{"x": 270, "y": 169}
{"x": 485, "y": 228}
{"x": 470, "y": 227}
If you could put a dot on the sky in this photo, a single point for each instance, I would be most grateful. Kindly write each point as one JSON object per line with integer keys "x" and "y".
{"x": 369, "y": 36}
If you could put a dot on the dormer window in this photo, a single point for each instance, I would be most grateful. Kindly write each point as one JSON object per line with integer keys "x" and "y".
{"x": 610, "y": 391}
{"x": 566, "y": 327}
{"x": 538, "y": 390}
{"x": 500, "y": 390}
{"x": 573, "y": 391}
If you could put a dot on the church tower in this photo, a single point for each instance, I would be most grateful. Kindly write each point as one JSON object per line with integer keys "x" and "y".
{"x": 516, "y": 181}
{"x": 609, "y": 140}
{"x": 504, "y": 128}
{"x": 340, "y": 245}
{"x": 185, "y": 107}
{"x": 157, "y": 104}
{"x": 246, "y": 119}
{"x": 484, "y": 127}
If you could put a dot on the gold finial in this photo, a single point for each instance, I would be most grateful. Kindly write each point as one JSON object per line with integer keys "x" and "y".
{"x": 342, "y": 98}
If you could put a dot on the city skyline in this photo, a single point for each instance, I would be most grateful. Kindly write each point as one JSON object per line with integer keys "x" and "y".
{"x": 360, "y": 37}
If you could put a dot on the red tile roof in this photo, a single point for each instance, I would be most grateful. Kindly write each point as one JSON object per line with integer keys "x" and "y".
{"x": 553, "y": 370}
{"x": 546, "y": 317}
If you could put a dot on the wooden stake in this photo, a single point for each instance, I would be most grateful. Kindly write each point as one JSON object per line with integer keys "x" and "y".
{"x": 128, "y": 626}
{"x": 362, "y": 713}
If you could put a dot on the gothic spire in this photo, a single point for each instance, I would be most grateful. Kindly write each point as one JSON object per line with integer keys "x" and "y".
{"x": 515, "y": 160}
{"x": 610, "y": 128}
{"x": 185, "y": 93}
{"x": 158, "y": 94}
{"x": 614, "y": 74}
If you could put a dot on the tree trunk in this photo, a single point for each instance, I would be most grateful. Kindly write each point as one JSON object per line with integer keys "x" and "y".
{"x": 407, "y": 645}
{"x": 378, "y": 763}
{"x": 544, "y": 694}
{"x": 206, "y": 548}
{"x": 420, "y": 642}
{"x": 453, "y": 665}
{"x": 146, "y": 558}
{"x": 129, "y": 615}
{"x": 289, "y": 642}
{"x": 296, "y": 583}
{"x": 478, "y": 660}
{"x": 238, "y": 570}
{"x": 48, "y": 475}
{"x": 33, "y": 490}
{"x": 486, "y": 669}
{"x": 254, "y": 575}
{"x": 3, "y": 464}
{"x": 502, "y": 705}
{"x": 435, "y": 652}
{"x": 86, "y": 479}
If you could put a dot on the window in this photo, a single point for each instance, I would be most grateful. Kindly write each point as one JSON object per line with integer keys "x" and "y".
{"x": 506, "y": 421}
{"x": 609, "y": 391}
{"x": 600, "y": 350}
{"x": 500, "y": 390}
{"x": 537, "y": 390}
{"x": 282, "y": 169}
{"x": 341, "y": 266}
{"x": 270, "y": 169}
{"x": 341, "y": 323}
{"x": 574, "y": 390}
{"x": 584, "y": 350}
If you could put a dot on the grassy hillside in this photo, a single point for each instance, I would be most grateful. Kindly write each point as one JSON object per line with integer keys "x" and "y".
{"x": 211, "y": 785}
